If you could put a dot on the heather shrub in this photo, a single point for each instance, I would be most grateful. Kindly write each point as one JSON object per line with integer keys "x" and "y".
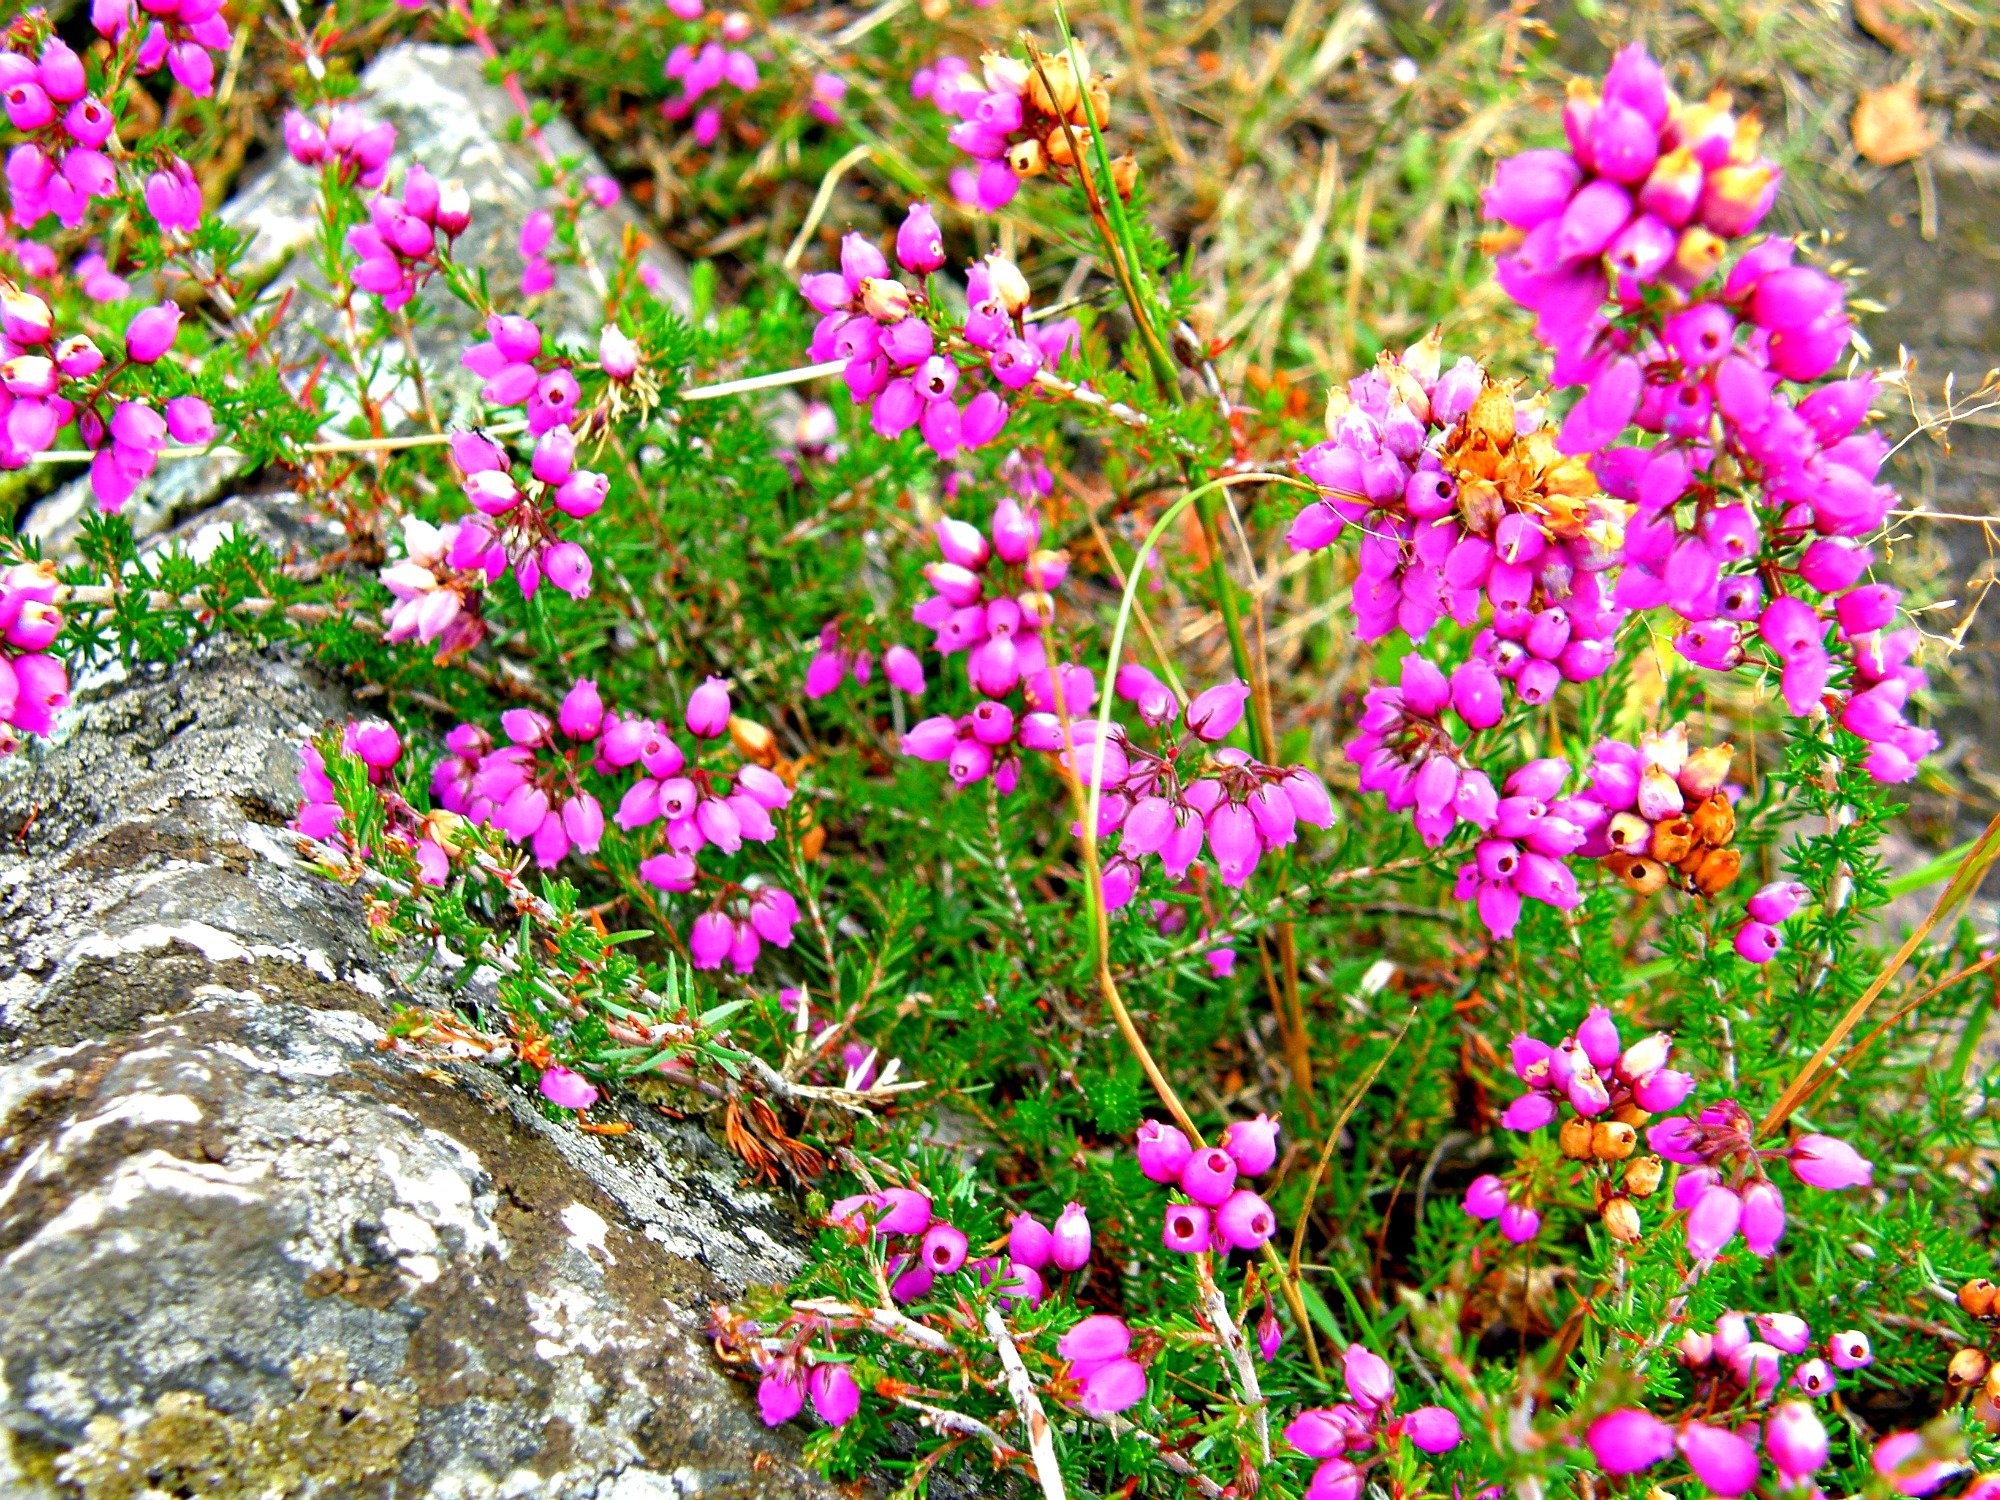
{"x": 850, "y": 697}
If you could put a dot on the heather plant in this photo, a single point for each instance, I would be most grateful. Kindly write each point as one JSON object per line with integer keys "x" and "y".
{"x": 1490, "y": 1058}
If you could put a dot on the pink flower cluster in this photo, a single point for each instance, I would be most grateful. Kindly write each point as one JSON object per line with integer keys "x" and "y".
{"x": 902, "y": 360}
{"x": 702, "y": 70}
{"x": 781, "y": 1395}
{"x": 1357, "y": 1434}
{"x": 173, "y": 197}
{"x": 1649, "y": 810}
{"x": 989, "y": 114}
{"x": 686, "y": 795}
{"x": 533, "y": 790}
{"x": 344, "y": 141}
{"x": 1594, "y": 1074}
{"x": 1596, "y": 1077}
{"x": 438, "y": 601}
{"x": 991, "y": 599}
{"x": 1744, "y": 1361}
{"x": 397, "y": 249}
{"x": 1170, "y": 802}
{"x": 1015, "y": 120}
{"x": 515, "y": 524}
{"x": 1648, "y": 190}
{"x": 33, "y": 684}
{"x": 1407, "y": 750}
{"x": 1751, "y": 497}
{"x": 180, "y": 33}
{"x": 765, "y": 914}
{"x": 1221, "y": 1215}
{"x": 378, "y": 747}
{"x": 33, "y": 409}
{"x": 1461, "y": 501}
{"x": 61, "y": 166}
{"x": 1758, "y": 939}
{"x": 1745, "y": 1357}
{"x": 845, "y": 653}
{"x": 932, "y": 1248}
{"x": 1413, "y": 755}
{"x": 923, "y": 1249}
{"x": 518, "y": 373}
{"x": 1723, "y": 1185}
{"x": 1651, "y": 786}
{"x": 1099, "y": 1351}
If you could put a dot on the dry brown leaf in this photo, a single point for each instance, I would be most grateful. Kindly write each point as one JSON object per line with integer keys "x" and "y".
{"x": 1873, "y": 17}
{"x": 1889, "y": 125}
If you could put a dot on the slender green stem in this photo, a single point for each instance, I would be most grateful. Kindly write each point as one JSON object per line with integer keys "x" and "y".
{"x": 1129, "y": 597}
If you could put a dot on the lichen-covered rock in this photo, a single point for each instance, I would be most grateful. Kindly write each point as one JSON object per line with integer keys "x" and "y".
{"x": 244, "y": 1249}
{"x": 450, "y": 118}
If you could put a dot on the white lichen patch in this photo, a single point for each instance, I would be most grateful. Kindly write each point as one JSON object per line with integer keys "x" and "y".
{"x": 443, "y": 1194}
{"x": 570, "y": 1320}
{"x": 132, "y": 1110}
{"x": 139, "y": 1177}
{"x": 587, "y": 1229}
{"x": 416, "y": 1245}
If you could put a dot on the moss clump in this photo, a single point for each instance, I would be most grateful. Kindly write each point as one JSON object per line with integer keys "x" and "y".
{"x": 334, "y": 1430}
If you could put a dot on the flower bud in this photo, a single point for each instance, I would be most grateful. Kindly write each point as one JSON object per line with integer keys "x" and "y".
{"x": 24, "y": 318}
{"x": 885, "y": 300}
{"x": 1628, "y": 1440}
{"x": 1612, "y": 1140}
{"x": 567, "y": 1090}
{"x": 1574, "y": 1138}
{"x": 1124, "y": 173}
{"x": 1718, "y": 868}
{"x": 1216, "y": 711}
{"x": 1978, "y": 1296}
{"x": 1621, "y": 1220}
{"x": 1642, "y": 1177}
{"x": 1369, "y": 1380}
{"x": 1968, "y": 1367}
{"x": 1209, "y": 1176}
{"x": 1714, "y": 821}
{"x": 919, "y": 245}
{"x": 151, "y": 333}
{"x": 1070, "y": 1239}
{"x": 1053, "y": 88}
{"x": 1763, "y": 1217}
{"x": 1245, "y": 1220}
{"x": 618, "y": 356}
{"x": 1704, "y": 771}
{"x": 1029, "y": 1242}
{"x": 707, "y": 713}
{"x": 1008, "y": 284}
{"x": 1485, "y": 1197}
{"x": 1725, "y": 1461}
{"x": 1795, "y": 1439}
{"x": 1713, "y": 1221}
{"x": 1252, "y": 1144}
{"x": 836, "y": 1397}
{"x": 1186, "y": 1228}
{"x": 1850, "y": 1350}
{"x": 943, "y": 1249}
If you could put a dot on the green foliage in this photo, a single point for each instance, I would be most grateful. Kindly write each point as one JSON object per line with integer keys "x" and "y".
{"x": 950, "y": 933}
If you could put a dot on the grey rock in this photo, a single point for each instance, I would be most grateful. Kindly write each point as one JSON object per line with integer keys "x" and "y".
{"x": 457, "y": 124}
{"x": 244, "y": 1248}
